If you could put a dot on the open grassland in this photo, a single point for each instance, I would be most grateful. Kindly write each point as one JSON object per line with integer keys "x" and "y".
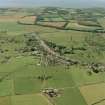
{"x": 88, "y": 23}
{"x": 64, "y": 37}
{"x": 82, "y": 27}
{"x": 33, "y": 99}
{"x": 70, "y": 96}
{"x": 6, "y": 88}
{"x": 26, "y": 85}
{"x": 80, "y": 76}
{"x": 94, "y": 93}
{"x": 5, "y": 100}
{"x": 58, "y": 79}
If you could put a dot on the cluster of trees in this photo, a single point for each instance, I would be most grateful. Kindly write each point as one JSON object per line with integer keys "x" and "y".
{"x": 59, "y": 48}
{"x": 97, "y": 67}
{"x": 40, "y": 18}
{"x": 44, "y": 77}
{"x": 31, "y": 45}
{"x": 63, "y": 12}
{"x": 63, "y": 49}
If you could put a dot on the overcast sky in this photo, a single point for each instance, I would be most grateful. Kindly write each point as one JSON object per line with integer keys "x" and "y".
{"x": 62, "y": 3}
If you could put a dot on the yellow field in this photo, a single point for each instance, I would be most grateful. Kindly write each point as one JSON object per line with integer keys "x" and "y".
{"x": 102, "y": 103}
{"x": 75, "y": 25}
{"x": 94, "y": 93}
{"x": 32, "y": 99}
{"x": 28, "y": 20}
{"x": 9, "y": 18}
{"x": 5, "y": 100}
{"x": 53, "y": 24}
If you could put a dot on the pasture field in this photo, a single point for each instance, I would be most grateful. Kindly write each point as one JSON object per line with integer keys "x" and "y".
{"x": 5, "y": 100}
{"x": 94, "y": 93}
{"x": 82, "y": 27}
{"x": 89, "y": 23}
{"x": 6, "y": 88}
{"x": 67, "y": 98}
{"x": 81, "y": 78}
{"x": 34, "y": 99}
{"x": 26, "y": 85}
{"x": 58, "y": 79}
{"x": 64, "y": 37}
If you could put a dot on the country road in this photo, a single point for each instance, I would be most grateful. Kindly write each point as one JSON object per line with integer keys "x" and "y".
{"x": 49, "y": 51}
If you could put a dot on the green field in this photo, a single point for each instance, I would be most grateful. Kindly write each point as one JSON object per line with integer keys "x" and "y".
{"x": 29, "y": 100}
{"x": 82, "y": 27}
{"x": 70, "y": 98}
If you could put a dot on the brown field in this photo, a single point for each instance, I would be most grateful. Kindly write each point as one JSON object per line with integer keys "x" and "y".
{"x": 28, "y": 20}
{"x": 94, "y": 93}
{"x": 5, "y": 101}
{"x": 52, "y": 24}
{"x": 9, "y": 18}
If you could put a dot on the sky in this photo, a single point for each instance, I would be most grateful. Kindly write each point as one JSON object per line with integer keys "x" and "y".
{"x": 59, "y": 3}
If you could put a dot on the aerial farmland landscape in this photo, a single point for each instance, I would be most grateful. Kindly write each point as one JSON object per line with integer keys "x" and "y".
{"x": 52, "y": 55}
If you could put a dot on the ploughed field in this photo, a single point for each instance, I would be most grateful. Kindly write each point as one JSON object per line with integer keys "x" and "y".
{"x": 29, "y": 75}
